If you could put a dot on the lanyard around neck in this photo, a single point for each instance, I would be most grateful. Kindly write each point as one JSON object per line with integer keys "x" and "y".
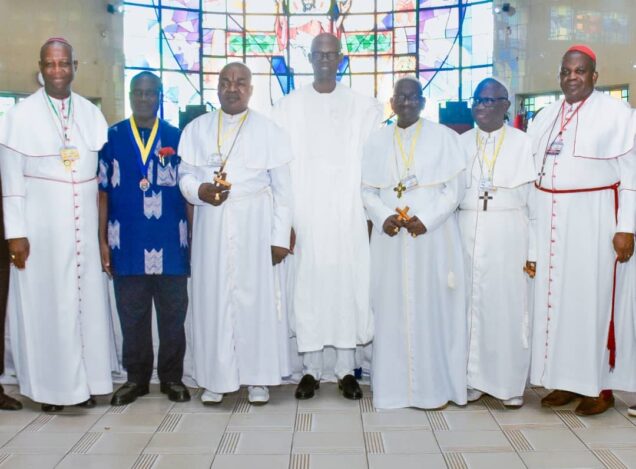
{"x": 407, "y": 160}
{"x": 144, "y": 148}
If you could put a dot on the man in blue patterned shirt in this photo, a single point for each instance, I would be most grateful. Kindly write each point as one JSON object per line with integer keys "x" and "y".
{"x": 143, "y": 230}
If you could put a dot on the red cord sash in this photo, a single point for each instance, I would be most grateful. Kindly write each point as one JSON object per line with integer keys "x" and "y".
{"x": 611, "y": 336}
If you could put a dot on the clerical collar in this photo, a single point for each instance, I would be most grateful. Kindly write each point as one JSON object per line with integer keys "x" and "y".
{"x": 489, "y": 135}
{"x": 410, "y": 130}
{"x": 57, "y": 100}
{"x": 232, "y": 119}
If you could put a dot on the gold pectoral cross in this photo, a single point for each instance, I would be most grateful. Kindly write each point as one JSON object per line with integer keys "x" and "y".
{"x": 400, "y": 188}
{"x": 220, "y": 180}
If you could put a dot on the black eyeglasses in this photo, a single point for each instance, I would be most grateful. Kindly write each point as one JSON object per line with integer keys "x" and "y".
{"x": 486, "y": 102}
{"x": 317, "y": 55}
{"x": 402, "y": 98}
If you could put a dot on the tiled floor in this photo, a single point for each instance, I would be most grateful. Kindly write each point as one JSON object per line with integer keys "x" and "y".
{"x": 325, "y": 432}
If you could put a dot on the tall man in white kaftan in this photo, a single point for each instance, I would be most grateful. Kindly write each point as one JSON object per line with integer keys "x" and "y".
{"x": 328, "y": 124}
{"x": 59, "y": 316}
{"x": 583, "y": 324}
{"x": 235, "y": 172}
{"x": 496, "y": 221}
{"x": 413, "y": 180}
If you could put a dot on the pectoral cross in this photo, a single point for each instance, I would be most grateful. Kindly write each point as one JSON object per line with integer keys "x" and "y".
{"x": 485, "y": 198}
{"x": 403, "y": 213}
{"x": 220, "y": 181}
{"x": 400, "y": 188}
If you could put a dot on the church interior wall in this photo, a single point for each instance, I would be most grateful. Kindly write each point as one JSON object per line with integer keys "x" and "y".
{"x": 97, "y": 37}
{"x": 529, "y": 42}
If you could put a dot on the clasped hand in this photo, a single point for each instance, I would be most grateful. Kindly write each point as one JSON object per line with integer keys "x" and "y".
{"x": 393, "y": 224}
{"x": 213, "y": 194}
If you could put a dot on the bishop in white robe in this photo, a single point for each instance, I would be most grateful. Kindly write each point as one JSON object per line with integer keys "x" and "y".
{"x": 586, "y": 201}
{"x": 417, "y": 271}
{"x": 235, "y": 312}
{"x": 496, "y": 220}
{"x": 328, "y": 124}
{"x": 58, "y": 309}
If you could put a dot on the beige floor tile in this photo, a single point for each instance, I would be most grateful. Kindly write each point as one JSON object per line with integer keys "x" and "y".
{"x": 185, "y": 461}
{"x": 338, "y": 461}
{"x": 41, "y": 443}
{"x": 5, "y": 438}
{"x": 608, "y": 437}
{"x": 243, "y": 461}
{"x": 69, "y": 423}
{"x": 561, "y": 460}
{"x": 336, "y": 422}
{"x": 409, "y": 442}
{"x": 610, "y": 418}
{"x": 627, "y": 456}
{"x": 552, "y": 439}
{"x": 472, "y": 441}
{"x": 470, "y": 420}
{"x": 262, "y": 422}
{"x": 335, "y": 442}
{"x": 32, "y": 461}
{"x": 120, "y": 443}
{"x": 264, "y": 442}
{"x": 328, "y": 398}
{"x": 204, "y": 422}
{"x": 16, "y": 421}
{"x": 400, "y": 419}
{"x": 528, "y": 416}
{"x": 150, "y": 405}
{"x": 493, "y": 460}
{"x": 97, "y": 461}
{"x": 184, "y": 443}
{"x": 406, "y": 461}
{"x": 471, "y": 406}
{"x": 281, "y": 400}
{"x": 128, "y": 423}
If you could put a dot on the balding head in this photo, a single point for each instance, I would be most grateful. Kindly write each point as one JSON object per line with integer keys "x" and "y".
{"x": 490, "y": 105}
{"x": 58, "y": 67}
{"x": 493, "y": 83}
{"x": 325, "y": 56}
{"x": 235, "y": 87}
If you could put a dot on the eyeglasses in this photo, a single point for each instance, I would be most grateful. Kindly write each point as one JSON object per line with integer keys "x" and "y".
{"x": 317, "y": 55}
{"x": 145, "y": 93}
{"x": 486, "y": 102}
{"x": 402, "y": 98}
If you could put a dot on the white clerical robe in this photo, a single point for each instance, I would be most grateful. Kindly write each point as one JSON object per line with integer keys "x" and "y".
{"x": 417, "y": 284}
{"x": 330, "y": 283}
{"x": 575, "y": 258}
{"x": 236, "y": 311}
{"x": 496, "y": 227}
{"x": 58, "y": 308}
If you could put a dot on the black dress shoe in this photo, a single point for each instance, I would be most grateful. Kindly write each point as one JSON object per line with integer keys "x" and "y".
{"x": 350, "y": 387}
{"x": 8, "y": 402}
{"x": 88, "y": 403}
{"x": 306, "y": 387}
{"x": 128, "y": 393}
{"x": 52, "y": 408}
{"x": 176, "y": 391}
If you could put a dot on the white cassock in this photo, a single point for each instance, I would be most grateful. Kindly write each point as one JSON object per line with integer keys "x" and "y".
{"x": 330, "y": 285}
{"x": 58, "y": 306}
{"x": 497, "y": 244}
{"x": 417, "y": 284}
{"x": 575, "y": 257}
{"x": 235, "y": 313}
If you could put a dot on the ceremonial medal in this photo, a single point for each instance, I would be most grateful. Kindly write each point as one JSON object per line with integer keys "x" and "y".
{"x": 144, "y": 185}
{"x": 556, "y": 146}
{"x": 485, "y": 184}
{"x": 69, "y": 154}
{"x": 215, "y": 159}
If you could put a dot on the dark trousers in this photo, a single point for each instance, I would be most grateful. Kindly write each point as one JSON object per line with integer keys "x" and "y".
{"x": 4, "y": 294}
{"x": 134, "y": 296}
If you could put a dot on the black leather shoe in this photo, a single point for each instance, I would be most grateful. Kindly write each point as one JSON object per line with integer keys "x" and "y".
{"x": 350, "y": 387}
{"x": 306, "y": 387}
{"x": 88, "y": 403}
{"x": 128, "y": 393}
{"x": 176, "y": 391}
{"x": 7, "y": 402}
{"x": 52, "y": 408}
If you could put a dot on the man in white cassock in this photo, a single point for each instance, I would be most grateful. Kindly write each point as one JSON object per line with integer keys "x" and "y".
{"x": 235, "y": 170}
{"x": 328, "y": 124}
{"x": 58, "y": 308}
{"x": 496, "y": 220}
{"x": 586, "y": 200}
{"x": 412, "y": 182}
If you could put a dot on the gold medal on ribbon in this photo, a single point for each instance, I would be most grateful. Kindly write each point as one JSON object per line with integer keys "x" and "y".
{"x": 144, "y": 185}
{"x": 69, "y": 155}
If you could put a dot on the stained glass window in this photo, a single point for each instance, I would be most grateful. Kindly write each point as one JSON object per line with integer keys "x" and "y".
{"x": 447, "y": 43}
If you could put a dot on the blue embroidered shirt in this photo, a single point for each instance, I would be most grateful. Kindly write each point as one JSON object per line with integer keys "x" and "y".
{"x": 147, "y": 231}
